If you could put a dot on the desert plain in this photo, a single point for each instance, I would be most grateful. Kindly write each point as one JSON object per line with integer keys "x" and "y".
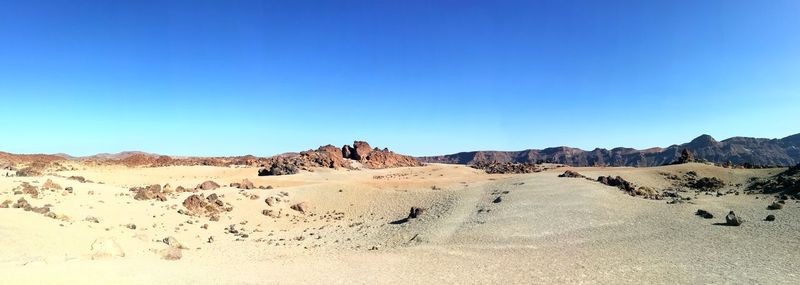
{"x": 354, "y": 227}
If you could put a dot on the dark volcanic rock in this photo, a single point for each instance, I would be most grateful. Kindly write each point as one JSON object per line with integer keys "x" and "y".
{"x": 787, "y": 183}
{"x": 705, "y": 184}
{"x": 736, "y": 151}
{"x": 770, "y": 218}
{"x": 686, "y": 157}
{"x": 775, "y": 206}
{"x": 618, "y": 182}
{"x": 705, "y": 214}
{"x": 415, "y": 212}
{"x": 507, "y": 168}
{"x": 571, "y": 174}
{"x": 732, "y": 220}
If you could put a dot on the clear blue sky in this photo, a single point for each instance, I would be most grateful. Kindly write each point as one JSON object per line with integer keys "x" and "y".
{"x": 420, "y": 77}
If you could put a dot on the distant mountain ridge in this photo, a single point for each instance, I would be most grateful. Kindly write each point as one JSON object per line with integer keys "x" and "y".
{"x": 736, "y": 150}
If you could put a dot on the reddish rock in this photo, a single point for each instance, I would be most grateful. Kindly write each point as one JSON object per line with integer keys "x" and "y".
{"x": 361, "y": 150}
{"x": 208, "y": 185}
{"x": 301, "y": 207}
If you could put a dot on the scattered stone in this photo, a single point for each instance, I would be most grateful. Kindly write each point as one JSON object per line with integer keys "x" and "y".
{"x": 50, "y": 185}
{"x": 208, "y": 185}
{"x": 732, "y": 220}
{"x": 21, "y": 204}
{"x": 245, "y": 184}
{"x": 705, "y": 184}
{"x": 172, "y": 242}
{"x": 270, "y": 213}
{"x": 211, "y": 206}
{"x": 29, "y": 189}
{"x": 77, "y": 178}
{"x": 6, "y": 204}
{"x": 148, "y": 193}
{"x": 498, "y": 200}
{"x": 270, "y": 201}
{"x": 301, "y": 207}
{"x": 705, "y": 214}
{"x": 131, "y": 226}
{"x": 770, "y": 218}
{"x": 775, "y": 206}
{"x": 415, "y": 212}
{"x": 92, "y": 219}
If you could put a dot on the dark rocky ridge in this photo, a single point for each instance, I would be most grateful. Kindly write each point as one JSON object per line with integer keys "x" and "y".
{"x": 736, "y": 150}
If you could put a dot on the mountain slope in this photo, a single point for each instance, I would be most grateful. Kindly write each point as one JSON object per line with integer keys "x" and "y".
{"x": 736, "y": 150}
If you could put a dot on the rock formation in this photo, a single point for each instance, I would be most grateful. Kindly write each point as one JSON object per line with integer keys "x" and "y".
{"x": 329, "y": 156}
{"x": 748, "y": 152}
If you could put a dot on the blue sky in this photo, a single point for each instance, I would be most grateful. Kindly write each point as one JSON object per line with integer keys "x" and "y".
{"x": 420, "y": 77}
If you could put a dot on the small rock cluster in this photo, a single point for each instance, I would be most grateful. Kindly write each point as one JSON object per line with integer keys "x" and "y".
{"x": 786, "y": 183}
{"x": 508, "y": 167}
{"x": 201, "y": 206}
{"x": 152, "y": 192}
{"x": 629, "y": 187}
{"x": 245, "y": 184}
{"x": 703, "y": 184}
{"x": 571, "y": 174}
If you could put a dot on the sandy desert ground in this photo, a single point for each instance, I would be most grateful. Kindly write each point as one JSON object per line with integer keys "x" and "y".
{"x": 543, "y": 230}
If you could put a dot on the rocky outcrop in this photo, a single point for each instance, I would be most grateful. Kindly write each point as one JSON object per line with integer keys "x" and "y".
{"x": 571, "y": 174}
{"x": 507, "y": 168}
{"x": 787, "y": 182}
{"x": 748, "y": 152}
{"x": 686, "y": 157}
{"x": 329, "y": 156}
{"x": 629, "y": 188}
